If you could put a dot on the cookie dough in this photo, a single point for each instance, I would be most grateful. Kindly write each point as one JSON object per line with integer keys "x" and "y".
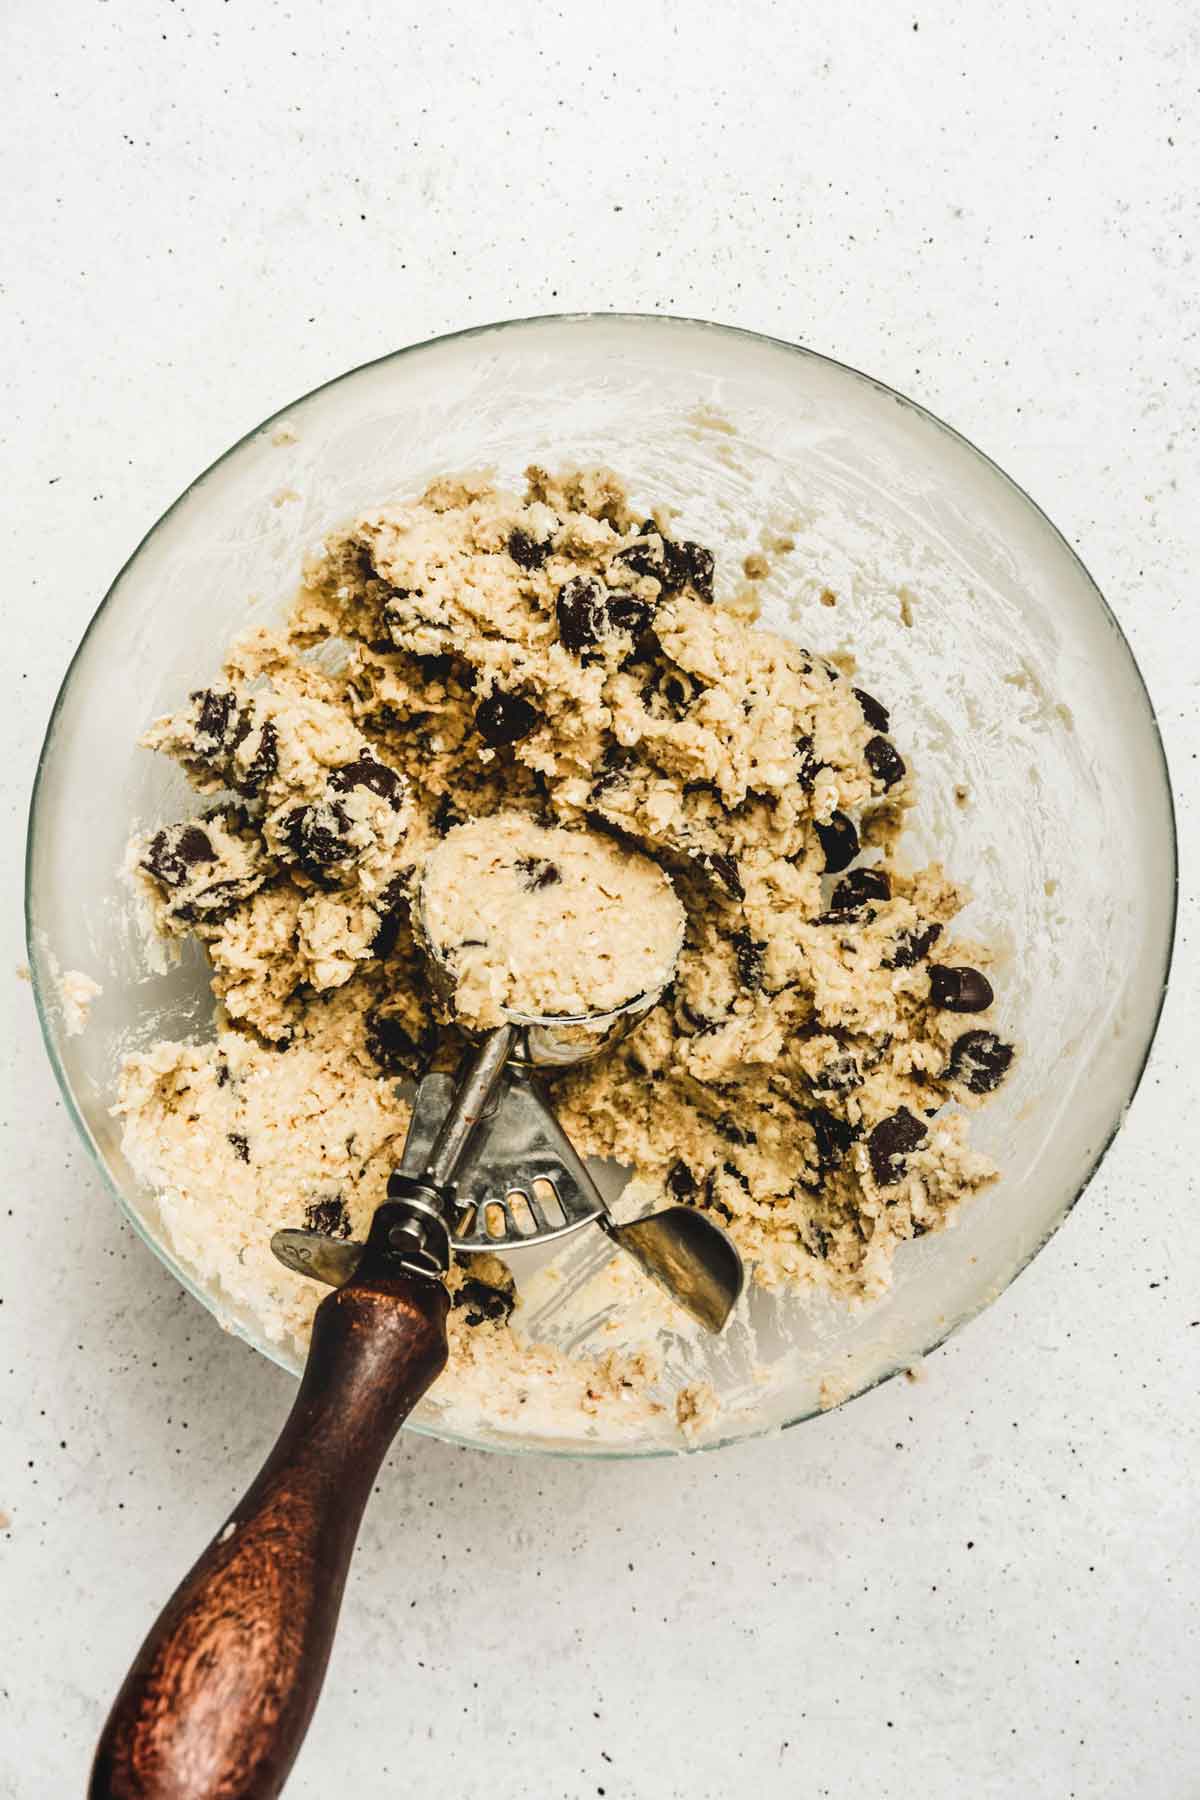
{"x": 563, "y": 660}
{"x": 541, "y": 921}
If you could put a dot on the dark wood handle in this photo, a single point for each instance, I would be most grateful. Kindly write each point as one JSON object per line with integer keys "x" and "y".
{"x": 220, "y": 1695}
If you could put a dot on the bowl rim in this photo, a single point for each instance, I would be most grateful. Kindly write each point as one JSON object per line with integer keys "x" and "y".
{"x": 45, "y": 1006}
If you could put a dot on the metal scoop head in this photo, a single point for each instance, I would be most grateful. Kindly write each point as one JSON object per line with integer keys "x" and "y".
{"x": 486, "y": 1165}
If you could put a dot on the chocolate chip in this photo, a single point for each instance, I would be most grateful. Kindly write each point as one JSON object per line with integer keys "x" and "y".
{"x": 884, "y": 761}
{"x": 875, "y": 714}
{"x": 615, "y": 765}
{"x": 832, "y": 1136}
{"x": 527, "y": 551}
{"x": 328, "y": 1216}
{"x": 536, "y": 872}
{"x": 701, "y": 569}
{"x": 711, "y": 1197}
{"x": 390, "y": 906}
{"x": 687, "y": 564}
{"x": 726, "y": 1126}
{"x": 840, "y": 1075}
{"x": 959, "y": 989}
{"x": 853, "y": 895}
{"x": 446, "y": 815}
{"x": 241, "y": 1145}
{"x": 482, "y": 1302}
{"x": 263, "y": 764}
{"x": 314, "y": 835}
{"x": 680, "y": 1180}
{"x": 839, "y": 840}
{"x": 175, "y": 850}
{"x": 677, "y": 695}
{"x": 628, "y": 613}
{"x": 435, "y": 668}
{"x": 979, "y": 1060}
{"x": 505, "y": 718}
{"x": 367, "y": 772}
{"x": 890, "y": 1144}
{"x": 750, "y": 955}
{"x": 394, "y": 1047}
{"x": 861, "y": 885}
{"x": 726, "y": 871}
{"x": 640, "y": 558}
{"x": 807, "y": 765}
{"x": 582, "y": 613}
{"x": 217, "y": 709}
{"x": 909, "y": 947}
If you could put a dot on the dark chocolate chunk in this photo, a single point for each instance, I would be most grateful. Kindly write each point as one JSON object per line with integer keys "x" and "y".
{"x": 859, "y": 888}
{"x": 749, "y": 952}
{"x": 241, "y": 1144}
{"x": 839, "y": 840}
{"x": 505, "y": 718}
{"x": 875, "y": 714}
{"x": 446, "y": 815}
{"x": 482, "y": 1302}
{"x": 890, "y": 1143}
{"x": 832, "y": 1136}
{"x": 582, "y": 613}
{"x": 979, "y": 1060}
{"x": 884, "y": 761}
{"x": 328, "y": 1216}
{"x": 435, "y": 668}
{"x": 686, "y": 564}
{"x": 711, "y": 1198}
{"x": 617, "y": 760}
{"x": 701, "y": 569}
{"x": 314, "y": 836}
{"x": 264, "y": 763}
{"x": 367, "y": 772}
{"x": 536, "y": 872}
{"x": 527, "y": 551}
{"x": 840, "y": 1075}
{"x": 910, "y": 947}
{"x": 726, "y": 871}
{"x": 959, "y": 989}
{"x": 677, "y": 694}
{"x": 807, "y": 765}
{"x": 394, "y": 1046}
{"x": 680, "y": 1180}
{"x": 626, "y": 612}
{"x": 175, "y": 850}
{"x": 640, "y": 558}
{"x": 217, "y": 709}
{"x": 390, "y": 906}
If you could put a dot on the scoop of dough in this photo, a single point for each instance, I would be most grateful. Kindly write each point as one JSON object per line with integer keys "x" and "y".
{"x": 546, "y": 922}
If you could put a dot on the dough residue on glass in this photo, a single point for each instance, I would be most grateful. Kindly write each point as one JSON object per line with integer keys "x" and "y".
{"x": 555, "y": 659}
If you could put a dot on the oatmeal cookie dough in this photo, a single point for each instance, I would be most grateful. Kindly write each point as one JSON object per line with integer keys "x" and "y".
{"x": 559, "y": 657}
{"x": 541, "y": 921}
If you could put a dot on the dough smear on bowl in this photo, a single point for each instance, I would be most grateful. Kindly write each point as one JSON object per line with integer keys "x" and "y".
{"x": 554, "y": 664}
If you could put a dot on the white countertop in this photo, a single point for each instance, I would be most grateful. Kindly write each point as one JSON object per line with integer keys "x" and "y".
{"x": 981, "y": 1584}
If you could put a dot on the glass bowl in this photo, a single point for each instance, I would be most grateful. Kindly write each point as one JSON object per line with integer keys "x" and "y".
{"x": 969, "y": 615}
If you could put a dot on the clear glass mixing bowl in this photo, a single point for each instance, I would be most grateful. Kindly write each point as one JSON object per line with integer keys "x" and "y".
{"x": 969, "y": 615}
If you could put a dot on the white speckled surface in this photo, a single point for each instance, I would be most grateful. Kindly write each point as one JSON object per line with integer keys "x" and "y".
{"x": 980, "y": 1584}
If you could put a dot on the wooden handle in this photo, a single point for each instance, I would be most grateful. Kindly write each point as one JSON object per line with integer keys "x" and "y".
{"x": 220, "y": 1695}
